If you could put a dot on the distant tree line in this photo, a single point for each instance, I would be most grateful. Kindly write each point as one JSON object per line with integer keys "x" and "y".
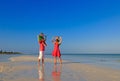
{"x": 8, "y": 52}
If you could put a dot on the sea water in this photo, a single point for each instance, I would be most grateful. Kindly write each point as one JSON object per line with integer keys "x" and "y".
{"x": 105, "y": 60}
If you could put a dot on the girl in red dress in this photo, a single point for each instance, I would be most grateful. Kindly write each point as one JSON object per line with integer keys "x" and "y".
{"x": 56, "y": 52}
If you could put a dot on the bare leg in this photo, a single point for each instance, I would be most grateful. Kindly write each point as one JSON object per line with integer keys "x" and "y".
{"x": 55, "y": 60}
{"x": 38, "y": 60}
{"x": 43, "y": 61}
{"x": 60, "y": 60}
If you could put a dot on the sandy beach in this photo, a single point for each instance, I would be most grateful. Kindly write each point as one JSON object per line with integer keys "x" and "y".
{"x": 26, "y": 68}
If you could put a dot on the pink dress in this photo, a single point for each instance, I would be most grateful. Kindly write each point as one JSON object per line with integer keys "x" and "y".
{"x": 56, "y": 51}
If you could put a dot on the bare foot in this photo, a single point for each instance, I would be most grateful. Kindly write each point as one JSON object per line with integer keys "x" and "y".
{"x": 38, "y": 60}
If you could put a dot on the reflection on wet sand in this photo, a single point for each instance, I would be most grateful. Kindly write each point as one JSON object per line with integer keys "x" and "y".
{"x": 56, "y": 73}
{"x": 41, "y": 72}
{"x": 1, "y": 68}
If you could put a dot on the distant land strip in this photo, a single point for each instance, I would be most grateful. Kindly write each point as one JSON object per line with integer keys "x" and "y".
{"x": 9, "y": 52}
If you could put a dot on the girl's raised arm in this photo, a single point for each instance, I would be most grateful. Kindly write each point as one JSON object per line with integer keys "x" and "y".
{"x": 53, "y": 40}
{"x": 60, "y": 40}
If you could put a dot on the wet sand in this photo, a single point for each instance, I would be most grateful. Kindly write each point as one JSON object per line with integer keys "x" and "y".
{"x": 26, "y": 68}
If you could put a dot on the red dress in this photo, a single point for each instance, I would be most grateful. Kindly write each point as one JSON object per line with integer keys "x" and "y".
{"x": 56, "y": 51}
{"x": 42, "y": 47}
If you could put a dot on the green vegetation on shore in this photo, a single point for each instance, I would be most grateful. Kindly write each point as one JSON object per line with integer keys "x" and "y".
{"x": 9, "y": 52}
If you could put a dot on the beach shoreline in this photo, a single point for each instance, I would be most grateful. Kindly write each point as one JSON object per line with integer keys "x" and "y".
{"x": 26, "y": 68}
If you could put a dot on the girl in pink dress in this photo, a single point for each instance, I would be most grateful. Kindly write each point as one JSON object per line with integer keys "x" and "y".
{"x": 56, "y": 51}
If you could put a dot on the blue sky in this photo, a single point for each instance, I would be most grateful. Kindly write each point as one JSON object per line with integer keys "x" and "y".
{"x": 86, "y": 26}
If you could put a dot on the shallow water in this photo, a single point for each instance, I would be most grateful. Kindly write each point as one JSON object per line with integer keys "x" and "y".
{"x": 104, "y": 60}
{"x": 50, "y": 72}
